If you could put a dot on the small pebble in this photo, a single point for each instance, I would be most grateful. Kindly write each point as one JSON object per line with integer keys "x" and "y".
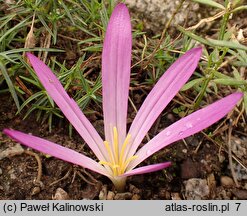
{"x": 35, "y": 191}
{"x": 226, "y": 181}
{"x": 11, "y": 151}
{"x": 175, "y": 196}
{"x": 110, "y": 195}
{"x": 103, "y": 193}
{"x": 240, "y": 194}
{"x": 1, "y": 171}
{"x": 245, "y": 186}
{"x": 221, "y": 157}
{"x": 185, "y": 151}
{"x": 12, "y": 174}
{"x": 171, "y": 117}
{"x": 222, "y": 194}
{"x": 240, "y": 172}
{"x": 196, "y": 189}
{"x": 239, "y": 147}
{"x": 136, "y": 197}
{"x": 164, "y": 194}
{"x": 133, "y": 189}
{"x": 123, "y": 196}
{"x": 60, "y": 194}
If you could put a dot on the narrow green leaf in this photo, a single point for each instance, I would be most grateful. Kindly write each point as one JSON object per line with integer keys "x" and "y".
{"x": 67, "y": 12}
{"x": 221, "y": 75}
{"x": 242, "y": 7}
{"x": 236, "y": 74}
{"x": 213, "y": 42}
{"x": 10, "y": 85}
{"x": 210, "y": 3}
{"x": 47, "y": 28}
{"x": 194, "y": 36}
{"x": 229, "y": 44}
{"x": 96, "y": 48}
{"x": 34, "y": 82}
{"x": 19, "y": 25}
{"x": 32, "y": 97}
{"x": 7, "y": 19}
{"x": 40, "y": 101}
{"x": 50, "y": 100}
{"x": 231, "y": 81}
{"x": 191, "y": 83}
{"x": 14, "y": 51}
{"x": 90, "y": 40}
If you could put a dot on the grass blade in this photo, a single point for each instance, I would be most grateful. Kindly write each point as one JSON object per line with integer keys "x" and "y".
{"x": 210, "y": 3}
{"x": 10, "y": 85}
{"x": 229, "y": 44}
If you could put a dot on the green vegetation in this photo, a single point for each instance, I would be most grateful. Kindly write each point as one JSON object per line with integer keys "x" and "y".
{"x": 68, "y": 36}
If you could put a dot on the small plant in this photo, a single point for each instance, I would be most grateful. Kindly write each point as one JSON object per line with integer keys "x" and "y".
{"x": 119, "y": 155}
{"x": 29, "y": 25}
{"x": 225, "y": 49}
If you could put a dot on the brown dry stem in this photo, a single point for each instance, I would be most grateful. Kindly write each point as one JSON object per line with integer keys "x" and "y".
{"x": 39, "y": 174}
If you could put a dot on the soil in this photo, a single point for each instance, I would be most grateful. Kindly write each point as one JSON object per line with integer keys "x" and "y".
{"x": 201, "y": 174}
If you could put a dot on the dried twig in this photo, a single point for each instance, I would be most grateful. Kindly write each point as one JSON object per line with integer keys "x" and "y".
{"x": 38, "y": 179}
{"x": 198, "y": 146}
{"x": 46, "y": 43}
{"x": 89, "y": 175}
{"x": 30, "y": 39}
{"x": 64, "y": 177}
{"x": 206, "y": 20}
{"x": 84, "y": 179}
{"x": 23, "y": 86}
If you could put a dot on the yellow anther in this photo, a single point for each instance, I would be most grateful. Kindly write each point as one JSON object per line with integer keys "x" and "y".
{"x": 111, "y": 165}
{"x": 105, "y": 163}
{"x": 108, "y": 148}
{"x": 127, "y": 162}
{"x": 126, "y": 141}
{"x": 117, "y": 162}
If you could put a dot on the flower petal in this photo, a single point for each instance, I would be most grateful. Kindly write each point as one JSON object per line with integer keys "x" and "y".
{"x": 147, "y": 169}
{"x": 68, "y": 106}
{"x": 116, "y": 60}
{"x": 187, "y": 126}
{"x": 162, "y": 93}
{"x": 58, "y": 151}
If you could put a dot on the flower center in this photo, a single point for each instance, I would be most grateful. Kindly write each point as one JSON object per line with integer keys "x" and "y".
{"x": 116, "y": 160}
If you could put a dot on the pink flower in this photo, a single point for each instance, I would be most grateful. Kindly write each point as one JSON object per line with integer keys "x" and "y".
{"x": 119, "y": 155}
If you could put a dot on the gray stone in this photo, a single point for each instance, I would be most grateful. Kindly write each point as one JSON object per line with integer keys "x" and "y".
{"x": 196, "y": 189}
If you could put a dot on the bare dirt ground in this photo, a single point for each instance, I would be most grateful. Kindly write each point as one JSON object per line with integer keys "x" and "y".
{"x": 200, "y": 169}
